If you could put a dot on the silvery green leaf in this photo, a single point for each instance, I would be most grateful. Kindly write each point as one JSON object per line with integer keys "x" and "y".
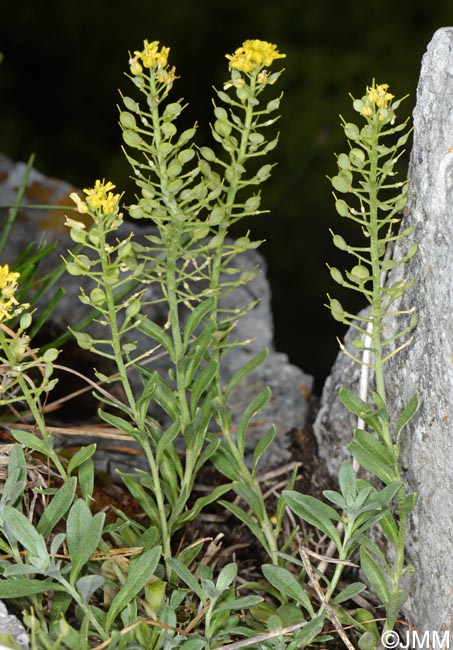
{"x": 84, "y": 532}
{"x": 58, "y": 507}
{"x": 25, "y": 533}
{"x": 87, "y": 585}
{"x": 288, "y": 585}
{"x": 141, "y": 569}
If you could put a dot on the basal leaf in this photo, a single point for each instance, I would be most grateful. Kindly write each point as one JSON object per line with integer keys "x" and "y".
{"x": 141, "y": 569}
{"x": 187, "y": 577}
{"x": 247, "y": 520}
{"x": 286, "y": 583}
{"x": 23, "y": 587}
{"x": 83, "y": 454}
{"x": 84, "y": 533}
{"x": 226, "y": 576}
{"x": 58, "y": 507}
{"x": 31, "y": 441}
{"x": 25, "y": 533}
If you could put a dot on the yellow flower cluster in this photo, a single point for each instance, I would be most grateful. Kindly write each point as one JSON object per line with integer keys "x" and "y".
{"x": 99, "y": 197}
{"x": 150, "y": 56}
{"x": 376, "y": 97}
{"x": 8, "y": 286}
{"x": 253, "y": 54}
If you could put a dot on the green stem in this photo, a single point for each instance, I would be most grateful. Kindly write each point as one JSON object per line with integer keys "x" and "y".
{"x": 233, "y": 190}
{"x": 124, "y": 378}
{"x": 377, "y": 318}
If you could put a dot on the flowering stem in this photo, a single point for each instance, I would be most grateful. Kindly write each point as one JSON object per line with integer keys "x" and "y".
{"x": 377, "y": 316}
{"x": 233, "y": 190}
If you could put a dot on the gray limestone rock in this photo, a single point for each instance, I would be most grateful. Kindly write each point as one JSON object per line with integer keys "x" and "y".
{"x": 10, "y": 625}
{"x": 426, "y": 365}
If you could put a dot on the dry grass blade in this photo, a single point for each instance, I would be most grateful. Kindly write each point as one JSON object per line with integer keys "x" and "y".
{"x": 317, "y": 587}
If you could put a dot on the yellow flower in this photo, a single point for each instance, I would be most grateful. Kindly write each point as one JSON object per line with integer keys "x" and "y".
{"x": 253, "y": 54}
{"x": 384, "y": 98}
{"x": 150, "y": 56}
{"x": 101, "y": 198}
{"x": 110, "y": 203}
{"x": 8, "y": 287}
{"x": 377, "y": 96}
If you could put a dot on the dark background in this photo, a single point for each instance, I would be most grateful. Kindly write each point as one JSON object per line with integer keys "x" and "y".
{"x": 64, "y": 62}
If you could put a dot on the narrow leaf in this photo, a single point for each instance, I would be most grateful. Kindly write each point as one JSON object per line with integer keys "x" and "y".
{"x": 286, "y": 583}
{"x": 407, "y": 413}
{"x": 31, "y": 441}
{"x": 225, "y": 463}
{"x": 263, "y": 445}
{"x": 153, "y": 330}
{"x": 396, "y": 601}
{"x": 58, "y": 507}
{"x": 347, "y": 480}
{"x": 373, "y": 456}
{"x": 84, "y": 533}
{"x": 165, "y": 397}
{"x": 252, "y": 409}
{"x": 195, "y": 318}
{"x": 83, "y": 454}
{"x": 307, "y": 635}
{"x": 251, "y": 497}
{"x": 315, "y": 513}
{"x": 349, "y": 592}
{"x": 374, "y": 575}
{"x": 197, "y": 353}
{"x": 167, "y": 439}
{"x": 202, "y": 383}
{"x": 246, "y": 519}
{"x": 187, "y": 577}
{"x": 23, "y": 587}
{"x": 25, "y": 533}
{"x": 119, "y": 423}
{"x": 14, "y": 486}
{"x": 201, "y": 503}
{"x": 141, "y": 569}
{"x": 390, "y": 527}
{"x": 245, "y": 370}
